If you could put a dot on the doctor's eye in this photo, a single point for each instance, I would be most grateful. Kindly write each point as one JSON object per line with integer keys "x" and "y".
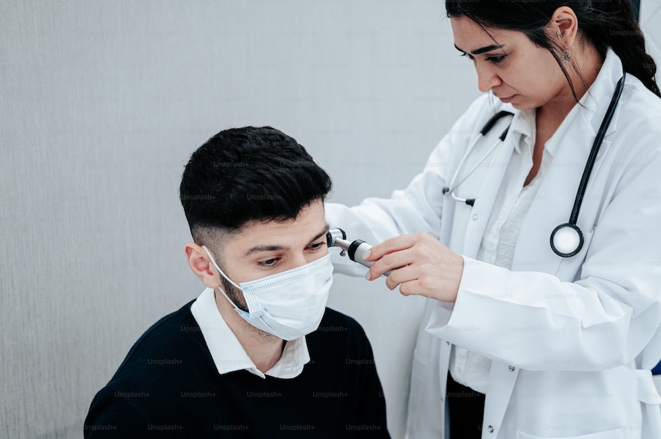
{"x": 496, "y": 59}
{"x": 467, "y": 55}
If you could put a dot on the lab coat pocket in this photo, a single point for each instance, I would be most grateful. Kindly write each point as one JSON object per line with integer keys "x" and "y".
{"x": 610, "y": 434}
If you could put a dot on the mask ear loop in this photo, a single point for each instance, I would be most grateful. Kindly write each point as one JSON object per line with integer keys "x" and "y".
{"x": 213, "y": 261}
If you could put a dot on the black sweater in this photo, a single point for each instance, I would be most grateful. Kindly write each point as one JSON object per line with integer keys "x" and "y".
{"x": 168, "y": 386}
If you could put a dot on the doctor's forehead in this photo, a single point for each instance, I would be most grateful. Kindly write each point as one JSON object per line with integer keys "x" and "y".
{"x": 470, "y": 37}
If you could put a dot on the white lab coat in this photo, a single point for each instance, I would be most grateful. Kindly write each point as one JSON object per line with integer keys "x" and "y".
{"x": 572, "y": 340}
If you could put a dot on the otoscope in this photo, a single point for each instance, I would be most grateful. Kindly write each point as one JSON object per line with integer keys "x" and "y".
{"x": 355, "y": 249}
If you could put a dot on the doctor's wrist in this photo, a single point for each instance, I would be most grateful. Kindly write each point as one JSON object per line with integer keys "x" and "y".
{"x": 456, "y": 276}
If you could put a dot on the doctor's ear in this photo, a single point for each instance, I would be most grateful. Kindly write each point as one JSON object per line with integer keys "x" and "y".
{"x": 202, "y": 267}
{"x": 563, "y": 25}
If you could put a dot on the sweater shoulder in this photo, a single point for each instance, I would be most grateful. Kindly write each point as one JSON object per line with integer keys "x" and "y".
{"x": 168, "y": 347}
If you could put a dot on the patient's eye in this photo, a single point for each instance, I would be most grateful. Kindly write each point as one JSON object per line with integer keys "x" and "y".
{"x": 269, "y": 262}
{"x": 316, "y": 245}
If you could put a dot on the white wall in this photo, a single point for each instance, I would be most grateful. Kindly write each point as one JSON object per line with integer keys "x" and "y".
{"x": 101, "y": 104}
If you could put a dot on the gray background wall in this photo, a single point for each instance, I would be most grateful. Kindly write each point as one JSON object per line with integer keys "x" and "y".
{"x": 101, "y": 105}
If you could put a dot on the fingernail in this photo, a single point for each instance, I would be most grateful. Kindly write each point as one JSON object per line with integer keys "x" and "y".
{"x": 367, "y": 276}
{"x": 366, "y": 255}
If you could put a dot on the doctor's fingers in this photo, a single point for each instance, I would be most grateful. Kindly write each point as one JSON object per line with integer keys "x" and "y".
{"x": 401, "y": 275}
{"x": 422, "y": 286}
{"x": 391, "y": 261}
{"x": 391, "y": 245}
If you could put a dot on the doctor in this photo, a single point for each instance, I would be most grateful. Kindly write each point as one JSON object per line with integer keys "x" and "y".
{"x": 558, "y": 331}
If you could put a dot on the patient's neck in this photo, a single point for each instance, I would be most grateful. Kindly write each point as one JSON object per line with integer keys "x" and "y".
{"x": 263, "y": 349}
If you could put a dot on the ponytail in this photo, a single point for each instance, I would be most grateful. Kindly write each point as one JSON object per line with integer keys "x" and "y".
{"x": 615, "y": 26}
{"x": 604, "y": 23}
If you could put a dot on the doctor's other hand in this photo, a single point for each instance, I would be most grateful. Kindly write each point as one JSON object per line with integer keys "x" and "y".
{"x": 421, "y": 265}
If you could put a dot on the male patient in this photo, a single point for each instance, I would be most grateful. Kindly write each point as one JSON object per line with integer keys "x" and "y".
{"x": 257, "y": 354}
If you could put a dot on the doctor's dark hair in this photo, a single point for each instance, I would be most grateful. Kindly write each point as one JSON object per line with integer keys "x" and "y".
{"x": 248, "y": 174}
{"x": 604, "y": 23}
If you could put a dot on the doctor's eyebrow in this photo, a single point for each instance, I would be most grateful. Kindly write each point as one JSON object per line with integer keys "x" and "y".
{"x": 275, "y": 248}
{"x": 482, "y": 49}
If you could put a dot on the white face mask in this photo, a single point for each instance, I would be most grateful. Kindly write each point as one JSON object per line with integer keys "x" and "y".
{"x": 289, "y": 304}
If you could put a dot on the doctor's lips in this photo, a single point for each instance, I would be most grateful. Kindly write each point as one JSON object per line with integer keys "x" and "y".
{"x": 506, "y": 100}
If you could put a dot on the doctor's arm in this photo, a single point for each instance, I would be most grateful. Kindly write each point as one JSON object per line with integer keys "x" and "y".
{"x": 416, "y": 209}
{"x": 605, "y": 319}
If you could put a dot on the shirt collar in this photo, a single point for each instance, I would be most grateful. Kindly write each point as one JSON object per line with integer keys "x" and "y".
{"x": 226, "y": 350}
{"x": 523, "y": 129}
{"x": 594, "y": 105}
{"x": 597, "y": 99}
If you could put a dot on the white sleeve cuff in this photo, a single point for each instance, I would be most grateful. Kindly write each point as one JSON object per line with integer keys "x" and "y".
{"x": 450, "y": 320}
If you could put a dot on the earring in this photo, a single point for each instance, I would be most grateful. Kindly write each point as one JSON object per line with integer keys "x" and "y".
{"x": 559, "y": 34}
{"x": 566, "y": 57}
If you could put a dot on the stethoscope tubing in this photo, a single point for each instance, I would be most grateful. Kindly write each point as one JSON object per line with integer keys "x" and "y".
{"x": 485, "y": 130}
{"x": 582, "y": 187}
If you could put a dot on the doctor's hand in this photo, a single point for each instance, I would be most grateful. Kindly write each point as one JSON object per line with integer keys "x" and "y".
{"x": 421, "y": 265}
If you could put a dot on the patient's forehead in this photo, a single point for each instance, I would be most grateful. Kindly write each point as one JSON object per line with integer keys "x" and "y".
{"x": 288, "y": 233}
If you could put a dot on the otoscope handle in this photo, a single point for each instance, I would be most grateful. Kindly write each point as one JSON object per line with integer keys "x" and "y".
{"x": 356, "y": 251}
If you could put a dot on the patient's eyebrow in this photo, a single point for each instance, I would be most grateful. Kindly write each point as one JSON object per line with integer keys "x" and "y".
{"x": 266, "y": 248}
{"x": 482, "y": 49}
{"x": 275, "y": 248}
{"x": 322, "y": 233}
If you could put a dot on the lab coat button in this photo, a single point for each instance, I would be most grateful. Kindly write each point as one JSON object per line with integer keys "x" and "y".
{"x": 475, "y": 217}
{"x": 511, "y": 368}
{"x": 490, "y": 429}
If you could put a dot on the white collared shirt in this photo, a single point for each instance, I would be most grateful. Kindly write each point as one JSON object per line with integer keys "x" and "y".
{"x": 226, "y": 350}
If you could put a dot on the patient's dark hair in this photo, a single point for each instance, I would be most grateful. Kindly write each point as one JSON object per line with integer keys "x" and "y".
{"x": 604, "y": 23}
{"x": 248, "y": 174}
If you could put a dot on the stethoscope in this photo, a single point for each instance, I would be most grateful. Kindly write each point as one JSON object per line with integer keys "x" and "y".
{"x": 567, "y": 238}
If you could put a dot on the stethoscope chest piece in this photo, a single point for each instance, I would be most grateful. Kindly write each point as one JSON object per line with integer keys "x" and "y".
{"x": 566, "y": 240}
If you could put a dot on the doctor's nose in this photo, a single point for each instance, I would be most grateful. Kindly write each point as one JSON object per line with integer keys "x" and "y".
{"x": 487, "y": 79}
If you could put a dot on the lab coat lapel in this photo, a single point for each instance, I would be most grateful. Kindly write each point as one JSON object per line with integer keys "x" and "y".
{"x": 554, "y": 201}
{"x": 553, "y": 204}
{"x": 489, "y": 176}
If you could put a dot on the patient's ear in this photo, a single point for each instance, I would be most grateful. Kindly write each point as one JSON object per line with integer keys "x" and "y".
{"x": 202, "y": 267}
